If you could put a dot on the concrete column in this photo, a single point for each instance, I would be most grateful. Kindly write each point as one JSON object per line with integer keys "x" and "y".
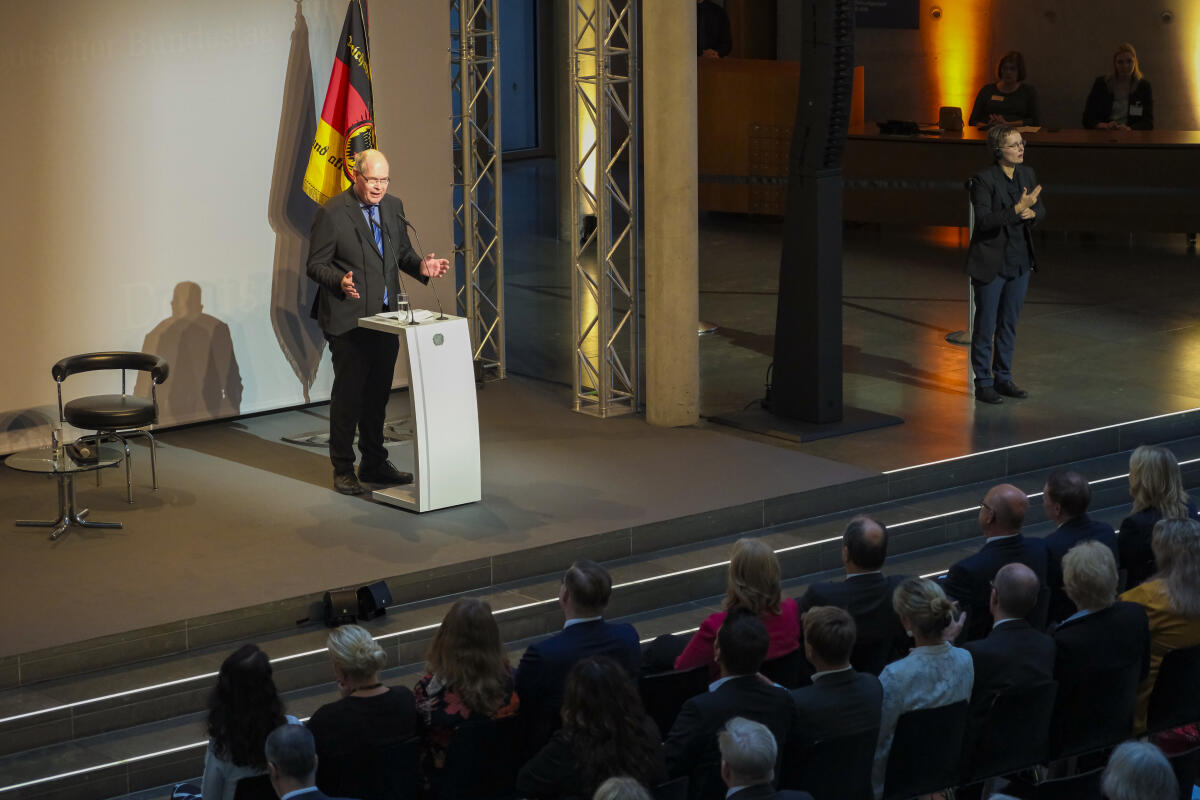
{"x": 672, "y": 252}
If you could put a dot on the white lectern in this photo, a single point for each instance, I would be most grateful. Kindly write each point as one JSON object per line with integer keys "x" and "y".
{"x": 441, "y": 383}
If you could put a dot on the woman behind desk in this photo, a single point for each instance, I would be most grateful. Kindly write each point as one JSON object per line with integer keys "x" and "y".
{"x": 1009, "y": 100}
{"x": 1121, "y": 100}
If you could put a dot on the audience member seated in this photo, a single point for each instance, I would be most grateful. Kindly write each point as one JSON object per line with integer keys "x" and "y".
{"x": 714, "y": 38}
{"x": 840, "y": 702}
{"x": 242, "y": 711}
{"x": 368, "y": 713}
{"x": 1171, "y": 599}
{"x": 969, "y": 581}
{"x": 622, "y": 789}
{"x": 1156, "y": 487}
{"x": 1013, "y": 655}
{"x": 1138, "y": 771}
{"x": 1008, "y": 101}
{"x": 1122, "y": 99}
{"x": 292, "y": 763}
{"x": 748, "y": 758}
{"x": 934, "y": 674}
{"x": 1066, "y": 497}
{"x": 467, "y": 676}
{"x": 753, "y": 583}
{"x": 586, "y": 588}
{"x": 739, "y": 692}
{"x": 605, "y": 733}
{"x": 867, "y": 594}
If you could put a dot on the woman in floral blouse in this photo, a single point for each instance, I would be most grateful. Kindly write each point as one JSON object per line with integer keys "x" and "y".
{"x": 467, "y": 677}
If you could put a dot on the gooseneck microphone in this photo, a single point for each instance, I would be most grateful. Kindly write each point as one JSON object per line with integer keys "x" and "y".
{"x": 432, "y": 283}
{"x": 402, "y": 300}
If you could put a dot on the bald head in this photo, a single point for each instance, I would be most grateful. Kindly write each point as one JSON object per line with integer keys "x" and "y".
{"x": 864, "y": 545}
{"x": 1015, "y": 591}
{"x": 370, "y": 176}
{"x": 1003, "y": 510}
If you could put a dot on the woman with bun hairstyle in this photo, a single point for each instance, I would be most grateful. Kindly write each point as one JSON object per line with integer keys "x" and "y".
{"x": 368, "y": 715}
{"x": 934, "y": 674}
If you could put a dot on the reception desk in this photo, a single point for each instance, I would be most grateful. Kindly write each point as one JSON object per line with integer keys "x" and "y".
{"x": 1093, "y": 180}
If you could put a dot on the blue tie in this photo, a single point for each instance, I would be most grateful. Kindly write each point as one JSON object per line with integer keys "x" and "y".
{"x": 377, "y": 229}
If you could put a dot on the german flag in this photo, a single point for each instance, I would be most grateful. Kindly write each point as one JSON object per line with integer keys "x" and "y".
{"x": 347, "y": 125}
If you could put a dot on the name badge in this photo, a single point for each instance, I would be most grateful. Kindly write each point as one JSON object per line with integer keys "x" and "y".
{"x": 998, "y": 98}
{"x": 1135, "y": 109}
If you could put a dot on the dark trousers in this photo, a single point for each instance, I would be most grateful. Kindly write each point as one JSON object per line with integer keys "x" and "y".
{"x": 997, "y": 308}
{"x": 363, "y": 364}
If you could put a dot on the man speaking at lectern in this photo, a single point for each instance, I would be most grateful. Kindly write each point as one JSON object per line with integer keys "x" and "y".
{"x": 358, "y": 246}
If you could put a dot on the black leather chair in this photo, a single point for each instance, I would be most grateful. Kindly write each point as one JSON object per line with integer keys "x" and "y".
{"x": 1083, "y": 786}
{"x": 387, "y": 770}
{"x": 664, "y": 693}
{"x": 114, "y": 416}
{"x": 482, "y": 760}
{"x": 786, "y": 670}
{"x": 834, "y": 769}
{"x": 1094, "y": 710}
{"x": 674, "y": 789}
{"x": 1014, "y": 734}
{"x": 1175, "y": 699}
{"x": 925, "y": 752}
{"x": 257, "y": 787}
{"x": 1185, "y": 764}
{"x": 871, "y": 655}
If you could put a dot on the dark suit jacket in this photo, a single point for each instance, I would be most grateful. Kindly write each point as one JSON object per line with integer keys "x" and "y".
{"x": 543, "y": 670}
{"x": 763, "y": 791}
{"x": 1098, "y": 107}
{"x": 867, "y": 598}
{"x": 693, "y": 738}
{"x": 1013, "y": 655}
{"x": 1116, "y": 636}
{"x": 837, "y": 705}
{"x": 1134, "y": 554}
{"x": 994, "y": 215}
{"x": 968, "y": 580}
{"x": 1069, "y": 534}
{"x": 342, "y": 242}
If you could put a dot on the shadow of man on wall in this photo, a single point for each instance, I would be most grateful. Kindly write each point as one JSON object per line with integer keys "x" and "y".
{"x": 205, "y": 381}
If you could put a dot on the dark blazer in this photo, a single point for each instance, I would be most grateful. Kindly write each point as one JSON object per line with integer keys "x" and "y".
{"x": 553, "y": 772}
{"x": 692, "y": 741}
{"x": 994, "y": 215}
{"x": 342, "y": 242}
{"x": 763, "y": 791}
{"x": 837, "y": 705}
{"x": 1100, "y": 99}
{"x": 1013, "y": 655}
{"x": 543, "y": 670}
{"x": 968, "y": 581}
{"x": 1134, "y": 553}
{"x": 1069, "y": 534}
{"x": 867, "y": 598}
{"x": 1114, "y": 637}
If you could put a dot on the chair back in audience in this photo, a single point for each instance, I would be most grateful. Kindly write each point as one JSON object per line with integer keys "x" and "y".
{"x": 833, "y": 769}
{"x": 1175, "y": 700}
{"x": 1040, "y": 616}
{"x": 482, "y": 760}
{"x": 1013, "y": 735}
{"x": 386, "y": 770}
{"x": 1094, "y": 710}
{"x": 871, "y": 655}
{"x": 1084, "y": 786}
{"x": 674, "y": 789}
{"x": 664, "y": 693}
{"x": 926, "y": 751}
{"x": 705, "y": 782}
{"x": 256, "y": 787}
{"x": 1184, "y": 764}
{"x": 787, "y": 669}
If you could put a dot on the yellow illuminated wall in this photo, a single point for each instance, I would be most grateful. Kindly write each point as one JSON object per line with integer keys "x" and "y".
{"x": 955, "y": 33}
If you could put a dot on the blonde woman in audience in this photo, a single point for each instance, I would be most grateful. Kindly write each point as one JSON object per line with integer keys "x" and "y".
{"x": 1157, "y": 490}
{"x": 621, "y": 789}
{"x": 369, "y": 714}
{"x": 934, "y": 674}
{"x": 1171, "y": 599}
{"x": 467, "y": 676}
{"x": 753, "y": 583}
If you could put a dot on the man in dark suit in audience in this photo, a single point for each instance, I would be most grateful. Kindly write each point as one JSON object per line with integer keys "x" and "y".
{"x": 969, "y": 581}
{"x": 1066, "y": 497}
{"x": 840, "y": 702}
{"x": 542, "y": 673}
{"x": 748, "y": 757}
{"x": 867, "y": 594}
{"x": 691, "y": 746}
{"x": 292, "y": 763}
{"x": 1013, "y": 655}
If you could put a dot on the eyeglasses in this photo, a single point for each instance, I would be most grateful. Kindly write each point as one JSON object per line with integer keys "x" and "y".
{"x": 1015, "y": 146}
{"x": 376, "y": 181}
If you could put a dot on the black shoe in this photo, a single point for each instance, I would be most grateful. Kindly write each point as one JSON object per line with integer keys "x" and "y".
{"x": 987, "y": 394}
{"x": 346, "y": 483}
{"x": 1010, "y": 389}
{"x": 384, "y": 473}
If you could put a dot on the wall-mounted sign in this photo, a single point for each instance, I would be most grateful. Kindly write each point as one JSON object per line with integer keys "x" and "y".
{"x": 887, "y": 13}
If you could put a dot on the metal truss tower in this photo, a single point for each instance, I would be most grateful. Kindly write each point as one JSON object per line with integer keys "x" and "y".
{"x": 604, "y": 187}
{"x": 478, "y": 201}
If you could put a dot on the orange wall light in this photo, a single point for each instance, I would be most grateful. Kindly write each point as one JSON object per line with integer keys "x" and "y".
{"x": 954, "y": 36}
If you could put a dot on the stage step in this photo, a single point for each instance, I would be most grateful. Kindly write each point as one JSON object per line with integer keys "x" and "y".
{"x": 104, "y": 723}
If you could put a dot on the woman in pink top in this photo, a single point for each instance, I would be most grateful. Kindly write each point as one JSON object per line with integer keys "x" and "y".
{"x": 754, "y": 584}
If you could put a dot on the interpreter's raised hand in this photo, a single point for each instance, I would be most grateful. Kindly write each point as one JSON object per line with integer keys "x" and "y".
{"x": 434, "y": 267}
{"x": 348, "y": 286}
{"x": 1028, "y": 198}
{"x": 1027, "y": 213}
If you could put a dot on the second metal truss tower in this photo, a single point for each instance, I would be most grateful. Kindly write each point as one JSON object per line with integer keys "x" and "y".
{"x": 478, "y": 202}
{"x": 604, "y": 245}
